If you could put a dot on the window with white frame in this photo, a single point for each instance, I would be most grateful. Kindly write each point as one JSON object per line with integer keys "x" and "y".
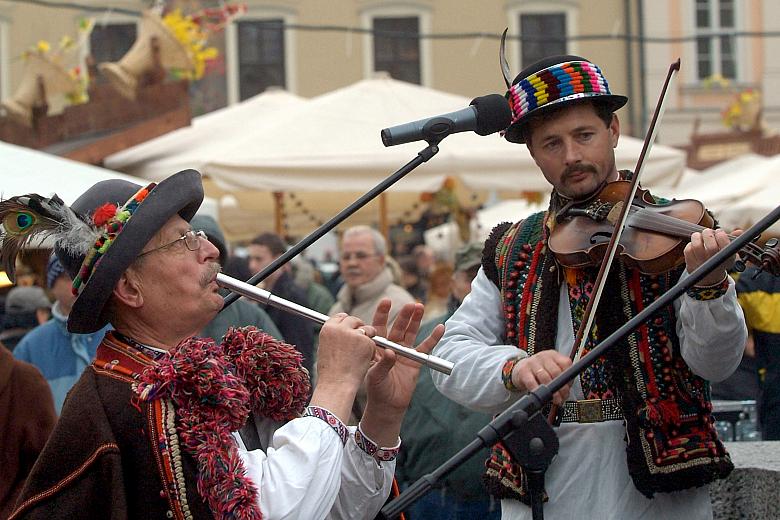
{"x": 716, "y": 53}
{"x": 397, "y": 47}
{"x": 542, "y": 34}
{"x": 393, "y": 40}
{"x": 545, "y": 28}
{"x": 261, "y": 56}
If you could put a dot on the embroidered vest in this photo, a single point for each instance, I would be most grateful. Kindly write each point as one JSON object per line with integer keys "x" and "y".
{"x": 672, "y": 443}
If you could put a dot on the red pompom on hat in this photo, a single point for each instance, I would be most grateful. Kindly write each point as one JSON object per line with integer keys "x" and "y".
{"x": 103, "y": 214}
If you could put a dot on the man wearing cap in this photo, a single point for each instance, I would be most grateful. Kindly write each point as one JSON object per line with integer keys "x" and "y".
{"x": 636, "y": 433}
{"x": 149, "y": 431}
{"x": 60, "y": 355}
{"x": 26, "y": 307}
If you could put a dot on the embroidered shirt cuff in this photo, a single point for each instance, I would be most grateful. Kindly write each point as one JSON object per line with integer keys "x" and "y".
{"x": 506, "y": 373}
{"x": 370, "y": 447}
{"x": 709, "y": 292}
{"x": 332, "y": 421}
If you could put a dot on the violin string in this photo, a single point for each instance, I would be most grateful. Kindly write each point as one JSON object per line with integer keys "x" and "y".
{"x": 652, "y": 221}
{"x": 667, "y": 224}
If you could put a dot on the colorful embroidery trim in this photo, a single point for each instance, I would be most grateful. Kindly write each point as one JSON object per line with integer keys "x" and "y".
{"x": 565, "y": 81}
{"x": 506, "y": 374}
{"x": 330, "y": 419}
{"x": 370, "y": 447}
{"x": 113, "y": 222}
{"x": 711, "y": 292}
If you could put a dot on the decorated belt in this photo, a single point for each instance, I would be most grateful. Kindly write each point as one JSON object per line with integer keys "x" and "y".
{"x": 588, "y": 411}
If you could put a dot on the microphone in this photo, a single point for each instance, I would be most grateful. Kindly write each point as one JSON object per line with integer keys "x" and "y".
{"x": 484, "y": 115}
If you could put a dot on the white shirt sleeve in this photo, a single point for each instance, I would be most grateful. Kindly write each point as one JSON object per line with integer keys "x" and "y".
{"x": 712, "y": 333}
{"x": 307, "y": 473}
{"x": 712, "y": 336}
{"x": 473, "y": 341}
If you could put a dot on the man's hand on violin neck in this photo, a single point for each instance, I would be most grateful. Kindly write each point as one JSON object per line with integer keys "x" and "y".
{"x": 701, "y": 248}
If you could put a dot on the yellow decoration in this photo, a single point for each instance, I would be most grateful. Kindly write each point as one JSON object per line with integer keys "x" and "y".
{"x": 43, "y": 48}
{"x": 190, "y": 34}
{"x": 743, "y": 112}
{"x": 715, "y": 81}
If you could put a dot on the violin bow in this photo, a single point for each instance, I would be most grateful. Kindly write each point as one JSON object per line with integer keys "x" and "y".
{"x": 601, "y": 278}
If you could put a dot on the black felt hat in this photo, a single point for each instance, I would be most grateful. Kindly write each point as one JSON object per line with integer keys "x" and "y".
{"x": 552, "y": 82}
{"x": 150, "y": 209}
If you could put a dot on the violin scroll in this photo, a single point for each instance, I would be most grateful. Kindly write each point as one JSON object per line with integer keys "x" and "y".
{"x": 765, "y": 259}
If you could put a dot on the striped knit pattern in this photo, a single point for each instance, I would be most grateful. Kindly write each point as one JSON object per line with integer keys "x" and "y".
{"x": 561, "y": 82}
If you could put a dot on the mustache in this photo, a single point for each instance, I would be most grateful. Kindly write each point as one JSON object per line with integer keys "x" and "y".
{"x": 211, "y": 272}
{"x": 577, "y": 168}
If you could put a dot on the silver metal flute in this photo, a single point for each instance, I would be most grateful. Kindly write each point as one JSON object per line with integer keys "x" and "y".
{"x": 261, "y": 295}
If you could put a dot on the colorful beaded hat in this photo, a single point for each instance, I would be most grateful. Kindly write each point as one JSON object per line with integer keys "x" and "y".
{"x": 552, "y": 82}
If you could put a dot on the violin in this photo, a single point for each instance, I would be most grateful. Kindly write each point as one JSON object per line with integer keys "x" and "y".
{"x": 653, "y": 239}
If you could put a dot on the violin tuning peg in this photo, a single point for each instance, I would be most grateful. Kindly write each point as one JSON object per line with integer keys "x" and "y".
{"x": 739, "y": 266}
{"x": 772, "y": 242}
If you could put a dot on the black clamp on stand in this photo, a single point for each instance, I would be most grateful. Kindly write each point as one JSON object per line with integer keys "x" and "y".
{"x": 533, "y": 443}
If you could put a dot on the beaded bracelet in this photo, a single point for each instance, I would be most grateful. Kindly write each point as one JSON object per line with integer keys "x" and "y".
{"x": 370, "y": 447}
{"x": 506, "y": 373}
{"x": 331, "y": 420}
{"x": 709, "y": 292}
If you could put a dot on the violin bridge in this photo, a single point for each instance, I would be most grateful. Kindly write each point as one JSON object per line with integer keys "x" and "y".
{"x": 614, "y": 213}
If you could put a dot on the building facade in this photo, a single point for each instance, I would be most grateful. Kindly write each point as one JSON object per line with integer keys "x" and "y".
{"x": 726, "y": 48}
{"x": 312, "y": 46}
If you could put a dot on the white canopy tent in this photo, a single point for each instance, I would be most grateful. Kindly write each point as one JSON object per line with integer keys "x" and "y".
{"x": 751, "y": 209}
{"x": 30, "y": 171}
{"x": 206, "y": 139}
{"x": 333, "y": 142}
{"x": 728, "y": 182}
{"x": 326, "y": 152}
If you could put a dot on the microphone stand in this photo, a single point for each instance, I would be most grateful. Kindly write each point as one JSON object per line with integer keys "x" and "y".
{"x": 423, "y": 156}
{"x": 524, "y": 431}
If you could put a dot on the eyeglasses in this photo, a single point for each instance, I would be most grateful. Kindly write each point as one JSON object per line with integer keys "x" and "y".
{"x": 360, "y": 255}
{"x": 191, "y": 239}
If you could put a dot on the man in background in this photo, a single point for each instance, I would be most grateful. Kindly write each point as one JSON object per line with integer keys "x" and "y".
{"x": 435, "y": 428}
{"x": 27, "y": 418}
{"x": 297, "y": 331}
{"x": 26, "y": 307}
{"x": 367, "y": 278}
{"x": 61, "y": 356}
{"x": 759, "y": 297}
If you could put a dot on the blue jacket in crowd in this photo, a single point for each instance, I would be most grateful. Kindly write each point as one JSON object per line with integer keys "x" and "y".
{"x": 60, "y": 355}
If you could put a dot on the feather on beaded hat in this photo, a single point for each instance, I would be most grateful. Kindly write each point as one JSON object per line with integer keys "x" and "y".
{"x": 551, "y": 82}
{"x": 99, "y": 235}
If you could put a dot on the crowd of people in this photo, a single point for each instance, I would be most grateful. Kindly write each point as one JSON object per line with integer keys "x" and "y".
{"x": 128, "y": 390}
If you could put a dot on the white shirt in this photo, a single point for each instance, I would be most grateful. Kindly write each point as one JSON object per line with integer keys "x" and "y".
{"x": 589, "y": 477}
{"x": 306, "y": 473}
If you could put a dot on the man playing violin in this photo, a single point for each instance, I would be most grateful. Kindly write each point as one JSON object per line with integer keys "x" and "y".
{"x": 636, "y": 432}
{"x": 151, "y": 428}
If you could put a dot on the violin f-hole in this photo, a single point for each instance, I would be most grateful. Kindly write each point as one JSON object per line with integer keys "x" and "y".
{"x": 600, "y": 236}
